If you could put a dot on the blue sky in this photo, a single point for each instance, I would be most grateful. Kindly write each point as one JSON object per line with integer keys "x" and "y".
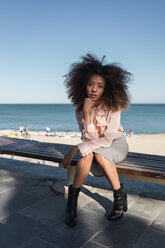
{"x": 39, "y": 39}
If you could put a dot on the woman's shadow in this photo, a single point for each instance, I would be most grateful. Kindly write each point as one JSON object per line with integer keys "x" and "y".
{"x": 104, "y": 201}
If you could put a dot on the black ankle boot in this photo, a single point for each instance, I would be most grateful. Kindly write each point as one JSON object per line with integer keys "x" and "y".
{"x": 71, "y": 210}
{"x": 120, "y": 204}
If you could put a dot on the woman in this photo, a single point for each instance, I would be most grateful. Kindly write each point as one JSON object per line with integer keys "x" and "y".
{"x": 99, "y": 93}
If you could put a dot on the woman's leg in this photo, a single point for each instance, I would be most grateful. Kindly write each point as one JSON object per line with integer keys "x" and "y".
{"x": 82, "y": 170}
{"x": 110, "y": 170}
{"x": 120, "y": 196}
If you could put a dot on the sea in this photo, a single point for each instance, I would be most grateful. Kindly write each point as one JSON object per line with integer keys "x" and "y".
{"x": 141, "y": 118}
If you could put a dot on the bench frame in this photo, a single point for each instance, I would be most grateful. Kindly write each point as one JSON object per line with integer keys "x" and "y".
{"x": 137, "y": 166}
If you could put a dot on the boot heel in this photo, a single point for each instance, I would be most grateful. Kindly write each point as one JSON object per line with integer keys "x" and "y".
{"x": 125, "y": 206}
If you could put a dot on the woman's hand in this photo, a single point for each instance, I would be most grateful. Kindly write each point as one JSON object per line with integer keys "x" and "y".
{"x": 68, "y": 157}
{"x": 88, "y": 103}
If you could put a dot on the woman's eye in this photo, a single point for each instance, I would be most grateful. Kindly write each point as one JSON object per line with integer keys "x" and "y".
{"x": 90, "y": 84}
{"x": 100, "y": 86}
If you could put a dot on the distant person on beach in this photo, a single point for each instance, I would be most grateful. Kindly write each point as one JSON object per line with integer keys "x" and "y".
{"x": 131, "y": 134}
{"x": 25, "y": 131}
{"x": 99, "y": 92}
{"x": 21, "y": 130}
{"x": 55, "y": 134}
{"x": 47, "y": 129}
{"x": 67, "y": 134}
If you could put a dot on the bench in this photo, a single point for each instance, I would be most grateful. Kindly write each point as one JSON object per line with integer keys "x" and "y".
{"x": 138, "y": 166}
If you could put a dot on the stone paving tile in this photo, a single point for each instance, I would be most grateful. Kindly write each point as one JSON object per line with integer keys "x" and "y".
{"x": 41, "y": 188}
{"x": 123, "y": 233}
{"x": 91, "y": 244}
{"x": 159, "y": 222}
{"x": 10, "y": 183}
{"x": 61, "y": 188}
{"x": 103, "y": 204}
{"x": 52, "y": 209}
{"x": 48, "y": 211}
{"x": 16, "y": 229}
{"x": 145, "y": 207}
{"x": 151, "y": 239}
{"x": 63, "y": 236}
{"x": 100, "y": 204}
{"x": 36, "y": 243}
{"x": 4, "y": 175}
{"x": 83, "y": 200}
{"x": 13, "y": 200}
{"x": 144, "y": 189}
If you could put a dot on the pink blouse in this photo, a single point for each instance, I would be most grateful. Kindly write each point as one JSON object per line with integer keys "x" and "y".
{"x": 104, "y": 128}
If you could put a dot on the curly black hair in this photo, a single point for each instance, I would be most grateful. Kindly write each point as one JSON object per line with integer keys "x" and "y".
{"x": 115, "y": 96}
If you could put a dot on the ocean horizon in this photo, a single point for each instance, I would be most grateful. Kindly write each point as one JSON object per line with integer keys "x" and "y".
{"x": 141, "y": 118}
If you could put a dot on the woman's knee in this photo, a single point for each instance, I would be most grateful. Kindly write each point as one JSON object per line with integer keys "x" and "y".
{"x": 99, "y": 158}
{"x": 102, "y": 161}
{"x": 87, "y": 158}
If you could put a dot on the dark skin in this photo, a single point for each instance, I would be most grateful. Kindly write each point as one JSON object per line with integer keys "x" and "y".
{"x": 69, "y": 156}
{"x": 95, "y": 88}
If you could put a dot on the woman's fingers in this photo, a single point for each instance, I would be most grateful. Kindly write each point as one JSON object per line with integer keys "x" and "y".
{"x": 68, "y": 157}
{"x": 66, "y": 161}
{"x": 88, "y": 103}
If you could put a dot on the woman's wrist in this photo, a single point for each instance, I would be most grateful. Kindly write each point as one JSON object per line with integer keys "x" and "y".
{"x": 87, "y": 118}
{"x": 76, "y": 148}
{"x": 86, "y": 111}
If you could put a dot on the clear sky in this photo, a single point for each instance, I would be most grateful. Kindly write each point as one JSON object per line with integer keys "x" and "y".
{"x": 39, "y": 39}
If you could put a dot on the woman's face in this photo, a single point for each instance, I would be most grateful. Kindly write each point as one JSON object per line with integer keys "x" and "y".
{"x": 95, "y": 88}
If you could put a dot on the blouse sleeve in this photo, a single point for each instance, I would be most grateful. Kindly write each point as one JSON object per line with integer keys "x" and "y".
{"x": 113, "y": 125}
{"x": 88, "y": 131}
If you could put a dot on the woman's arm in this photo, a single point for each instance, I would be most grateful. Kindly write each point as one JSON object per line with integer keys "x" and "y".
{"x": 69, "y": 156}
{"x": 86, "y": 114}
{"x": 86, "y": 127}
{"x": 89, "y": 146}
{"x": 86, "y": 110}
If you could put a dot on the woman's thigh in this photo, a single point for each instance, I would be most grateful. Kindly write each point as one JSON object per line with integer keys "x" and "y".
{"x": 116, "y": 152}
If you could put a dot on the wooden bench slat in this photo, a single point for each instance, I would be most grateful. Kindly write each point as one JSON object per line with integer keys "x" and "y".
{"x": 46, "y": 153}
{"x": 146, "y": 156}
{"x": 152, "y": 163}
{"x": 124, "y": 166}
{"x": 54, "y": 152}
{"x": 135, "y": 164}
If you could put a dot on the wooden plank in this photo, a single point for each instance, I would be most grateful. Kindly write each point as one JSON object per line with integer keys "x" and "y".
{"x": 125, "y": 166}
{"x": 145, "y": 164}
{"x": 48, "y": 149}
{"x": 146, "y": 156}
{"x": 147, "y": 173}
{"x": 135, "y": 165}
{"x": 56, "y": 153}
{"x": 6, "y": 141}
{"x": 140, "y": 169}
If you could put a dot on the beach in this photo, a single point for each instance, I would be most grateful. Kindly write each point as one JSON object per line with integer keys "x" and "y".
{"x": 144, "y": 143}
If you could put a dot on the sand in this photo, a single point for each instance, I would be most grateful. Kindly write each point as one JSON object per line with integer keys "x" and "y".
{"x": 144, "y": 143}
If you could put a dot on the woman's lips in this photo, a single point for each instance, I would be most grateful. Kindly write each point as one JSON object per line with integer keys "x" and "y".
{"x": 93, "y": 96}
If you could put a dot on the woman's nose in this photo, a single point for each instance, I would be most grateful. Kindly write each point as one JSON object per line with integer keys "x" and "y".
{"x": 94, "y": 88}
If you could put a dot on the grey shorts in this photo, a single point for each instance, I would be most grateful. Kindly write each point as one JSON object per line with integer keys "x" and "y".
{"x": 116, "y": 153}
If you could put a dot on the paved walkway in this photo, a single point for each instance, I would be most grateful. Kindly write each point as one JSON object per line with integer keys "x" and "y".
{"x": 32, "y": 215}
